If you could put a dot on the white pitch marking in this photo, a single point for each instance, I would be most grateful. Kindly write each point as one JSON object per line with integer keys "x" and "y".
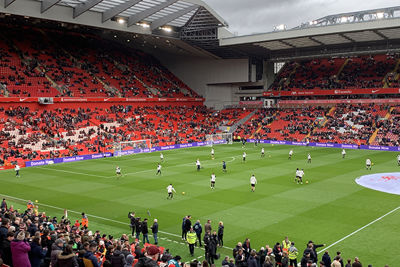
{"x": 359, "y": 229}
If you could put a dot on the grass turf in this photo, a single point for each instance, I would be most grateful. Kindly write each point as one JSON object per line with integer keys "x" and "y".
{"x": 327, "y": 209}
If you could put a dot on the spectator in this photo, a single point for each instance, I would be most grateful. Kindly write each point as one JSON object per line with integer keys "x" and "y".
{"x": 19, "y": 250}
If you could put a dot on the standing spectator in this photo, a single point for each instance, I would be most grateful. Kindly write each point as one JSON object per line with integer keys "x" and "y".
{"x": 37, "y": 253}
{"x": 236, "y": 249}
{"x": 145, "y": 231}
{"x": 221, "y": 234}
{"x": 188, "y": 225}
{"x": 338, "y": 253}
{"x": 309, "y": 250}
{"x": 293, "y": 252}
{"x": 247, "y": 248}
{"x": 198, "y": 229}
{"x": 268, "y": 262}
{"x": 150, "y": 258}
{"x": 132, "y": 219}
{"x": 191, "y": 239}
{"x": 67, "y": 258}
{"x": 348, "y": 264}
{"x": 336, "y": 262}
{"x": 129, "y": 261}
{"x": 5, "y": 224}
{"x": 89, "y": 255}
{"x": 207, "y": 226}
{"x": 326, "y": 259}
{"x": 154, "y": 230}
{"x": 285, "y": 259}
{"x": 19, "y": 251}
{"x": 305, "y": 259}
{"x": 6, "y": 249}
{"x": 3, "y": 204}
{"x": 314, "y": 248}
{"x": 240, "y": 259}
{"x": 207, "y": 243}
{"x": 138, "y": 226}
{"x": 356, "y": 263}
{"x": 117, "y": 258}
{"x": 56, "y": 249}
{"x": 278, "y": 253}
{"x": 251, "y": 261}
{"x": 183, "y": 227}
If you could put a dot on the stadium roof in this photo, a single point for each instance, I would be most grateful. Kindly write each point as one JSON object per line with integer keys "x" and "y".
{"x": 367, "y": 31}
{"x": 140, "y": 16}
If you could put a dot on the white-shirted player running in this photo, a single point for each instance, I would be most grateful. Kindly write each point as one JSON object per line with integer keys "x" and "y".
{"x": 171, "y": 191}
{"x": 368, "y": 164}
{"x": 343, "y": 154}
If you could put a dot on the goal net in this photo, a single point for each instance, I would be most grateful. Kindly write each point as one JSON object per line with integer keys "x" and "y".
{"x": 220, "y": 138}
{"x": 132, "y": 147}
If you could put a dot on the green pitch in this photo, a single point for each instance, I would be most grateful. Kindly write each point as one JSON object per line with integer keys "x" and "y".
{"x": 326, "y": 210}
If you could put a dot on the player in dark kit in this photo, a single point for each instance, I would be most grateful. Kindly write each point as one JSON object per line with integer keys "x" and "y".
{"x": 223, "y": 166}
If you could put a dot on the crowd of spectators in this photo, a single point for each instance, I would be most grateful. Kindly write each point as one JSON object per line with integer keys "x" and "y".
{"x": 33, "y": 239}
{"x": 375, "y": 71}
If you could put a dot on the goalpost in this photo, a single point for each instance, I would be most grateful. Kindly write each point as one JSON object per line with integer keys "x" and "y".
{"x": 131, "y": 147}
{"x": 220, "y": 138}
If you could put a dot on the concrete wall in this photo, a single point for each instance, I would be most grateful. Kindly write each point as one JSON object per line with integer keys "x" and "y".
{"x": 219, "y": 96}
{"x": 198, "y": 73}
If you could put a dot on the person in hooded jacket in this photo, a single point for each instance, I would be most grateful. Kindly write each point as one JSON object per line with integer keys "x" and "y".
{"x": 117, "y": 258}
{"x": 150, "y": 258}
{"x": 37, "y": 253}
{"x": 19, "y": 250}
{"x": 129, "y": 260}
{"x": 67, "y": 258}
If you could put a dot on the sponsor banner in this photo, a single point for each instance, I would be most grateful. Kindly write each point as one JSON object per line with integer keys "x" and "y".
{"x": 251, "y": 103}
{"x": 347, "y": 146}
{"x": 369, "y": 91}
{"x": 385, "y": 182}
{"x": 67, "y": 159}
{"x": 341, "y": 101}
{"x": 99, "y": 99}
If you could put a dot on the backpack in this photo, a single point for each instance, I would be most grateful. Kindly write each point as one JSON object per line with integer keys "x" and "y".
{"x": 87, "y": 262}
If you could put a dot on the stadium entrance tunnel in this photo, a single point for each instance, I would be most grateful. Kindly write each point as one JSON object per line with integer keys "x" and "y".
{"x": 385, "y": 182}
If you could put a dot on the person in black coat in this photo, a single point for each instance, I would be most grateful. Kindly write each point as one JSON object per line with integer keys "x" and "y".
{"x": 314, "y": 248}
{"x": 247, "y": 248}
{"x": 309, "y": 250}
{"x": 138, "y": 227}
{"x": 220, "y": 234}
{"x": 198, "y": 229}
{"x": 326, "y": 259}
{"x": 252, "y": 261}
{"x": 188, "y": 225}
{"x": 117, "y": 258}
{"x": 6, "y": 249}
{"x": 37, "y": 253}
{"x": 207, "y": 244}
{"x": 154, "y": 230}
{"x": 240, "y": 259}
{"x": 145, "y": 231}
{"x": 277, "y": 252}
{"x": 131, "y": 216}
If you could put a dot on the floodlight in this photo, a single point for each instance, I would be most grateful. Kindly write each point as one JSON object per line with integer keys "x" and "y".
{"x": 167, "y": 29}
{"x": 121, "y": 21}
{"x": 343, "y": 19}
{"x": 380, "y": 15}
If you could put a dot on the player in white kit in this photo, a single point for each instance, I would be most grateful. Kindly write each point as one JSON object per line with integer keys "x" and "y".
{"x": 212, "y": 181}
{"x": 253, "y": 182}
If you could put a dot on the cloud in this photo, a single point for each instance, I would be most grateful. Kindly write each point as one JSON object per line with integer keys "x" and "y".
{"x": 251, "y": 16}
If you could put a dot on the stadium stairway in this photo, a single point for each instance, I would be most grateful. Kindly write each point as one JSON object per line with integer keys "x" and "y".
{"x": 242, "y": 121}
{"x": 375, "y": 134}
{"x": 341, "y": 69}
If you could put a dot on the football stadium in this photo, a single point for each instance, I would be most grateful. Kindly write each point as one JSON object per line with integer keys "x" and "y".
{"x": 145, "y": 133}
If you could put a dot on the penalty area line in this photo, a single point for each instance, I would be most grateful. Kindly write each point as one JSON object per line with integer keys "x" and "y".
{"x": 359, "y": 229}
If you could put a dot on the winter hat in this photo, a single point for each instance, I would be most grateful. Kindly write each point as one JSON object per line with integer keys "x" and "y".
{"x": 129, "y": 260}
{"x": 21, "y": 236}
{"x": 152, "y": 250}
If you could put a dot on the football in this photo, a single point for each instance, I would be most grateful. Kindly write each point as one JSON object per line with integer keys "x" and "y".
{"x": 183, "y": 193}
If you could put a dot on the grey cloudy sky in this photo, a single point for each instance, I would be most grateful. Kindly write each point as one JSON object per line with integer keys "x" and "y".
{"x": 255, "y": 16}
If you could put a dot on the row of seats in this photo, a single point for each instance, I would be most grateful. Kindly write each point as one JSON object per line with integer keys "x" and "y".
{"x": 377, "y": 71}
{"x": 42, "y": 62}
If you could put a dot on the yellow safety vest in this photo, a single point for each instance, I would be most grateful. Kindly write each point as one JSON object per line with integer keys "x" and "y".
{"x": 293, "y": 254}
{"x": 191, "y": 237}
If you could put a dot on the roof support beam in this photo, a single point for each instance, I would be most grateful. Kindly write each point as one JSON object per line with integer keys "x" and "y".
{"x": 148, "y": 12}
{"x": 7, "y": 3}
{"x": 82, "y": 8}
{"x": 164, "y": 20}
{"x": 313, "y": 39}
{"x": 46, "y": 4}
{"x": 380, "y": 34}
{"x": 286, "y": 43}
{"x": 347, "y": 38}
{"x": 112, "y": 12}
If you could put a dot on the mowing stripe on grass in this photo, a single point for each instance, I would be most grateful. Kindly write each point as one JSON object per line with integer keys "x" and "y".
{"x": 98, "y": 217}
{"x": 359, "y": 229}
